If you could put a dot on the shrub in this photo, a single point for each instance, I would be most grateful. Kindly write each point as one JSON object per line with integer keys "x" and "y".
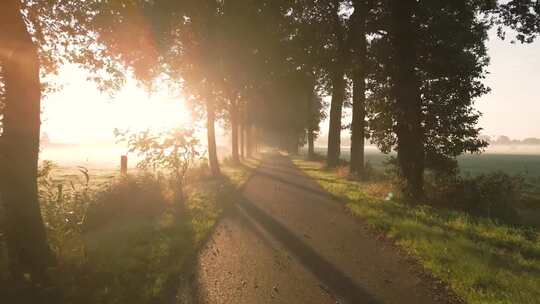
{"x": 64, "y": 208}
{"x": 373, "y": 174}
{"x": 133, "y": 197}
{"x": 492, "y": 195}
{"x": 174, "y": 151}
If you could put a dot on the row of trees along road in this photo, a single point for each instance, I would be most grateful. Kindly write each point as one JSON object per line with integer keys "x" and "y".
{"x": 412, "y": 70}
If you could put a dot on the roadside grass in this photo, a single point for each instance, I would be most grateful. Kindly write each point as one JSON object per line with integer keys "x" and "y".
{"x": 135, "y": 242}
{"x": 482, "y": 260}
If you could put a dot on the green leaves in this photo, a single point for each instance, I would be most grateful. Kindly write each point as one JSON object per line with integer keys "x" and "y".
{"x": 174, "y": 151}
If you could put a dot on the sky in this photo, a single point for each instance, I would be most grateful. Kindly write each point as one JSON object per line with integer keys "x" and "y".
{"x": 513, "y": 106}
{"x": 79, "y": 113}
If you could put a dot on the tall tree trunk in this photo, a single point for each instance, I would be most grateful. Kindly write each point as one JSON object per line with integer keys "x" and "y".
{"x": 409, "y": 131}
{"x": 249, "y": 141}
{"x": 338, "y": 89}
{"x": 26, "y": 239}
{"x": 334, "y": 130}
{"x": 359, "y": 17}
{"x": 234, "y": 132}
{"x": 311, "y": 143}
{"x": 211, "y": 134}
{"x": 242, "y": 130}
{"x": 312, "y": 120}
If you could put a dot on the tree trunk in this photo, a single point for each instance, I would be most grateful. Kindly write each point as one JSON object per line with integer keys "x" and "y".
{"x": 211, "y": 134}
{"x": 242, "y": 130}
{"x": 334, "y": 131}
{"x": 249, "y": 141}
{"x": 25, "y": 233}
{"x": 358, "y": 127}
{"x": 338, "y": 89}
{"x": 409, "y": 130}
{"x": 311, "y": 144}
{"x": 293, "y": 146}
{"x": 313, "y": 119}
{"x": 359, "y": 88}
{"x": 234, "y": 132}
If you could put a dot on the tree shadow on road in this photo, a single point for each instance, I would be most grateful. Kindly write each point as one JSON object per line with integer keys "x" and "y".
{"x": 337, "y": 282}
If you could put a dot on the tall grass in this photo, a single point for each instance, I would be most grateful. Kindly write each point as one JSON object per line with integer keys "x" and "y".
{"x": 126, "y": 240}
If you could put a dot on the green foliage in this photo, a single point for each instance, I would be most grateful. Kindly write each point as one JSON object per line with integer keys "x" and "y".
{"x": 492, "y": 195}
{"x": 174, "y": 151}
{"x": 452, "y": 61}
{"x": 66, "y": 32}
{"x": 482, "y": 260}
{"x": 64, "y": 208}
{"x": 522, "y": 16}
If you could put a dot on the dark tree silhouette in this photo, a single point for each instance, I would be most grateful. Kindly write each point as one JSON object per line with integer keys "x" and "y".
{"x": 359, "y": 76}
{"x": 31, "y": 47}
{"x": 409, "y": 131}
{"x": 26, "y": 240}
{"x": 337, "y": 78}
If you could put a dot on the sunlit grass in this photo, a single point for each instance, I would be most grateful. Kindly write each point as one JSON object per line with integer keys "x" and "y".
{"x": 145, "y": 257}
{"x": 135, "y": 244}
{"x": 483, "y": 261}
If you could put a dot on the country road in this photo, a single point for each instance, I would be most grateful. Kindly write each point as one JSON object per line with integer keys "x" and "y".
{"x": 288, "y": 241}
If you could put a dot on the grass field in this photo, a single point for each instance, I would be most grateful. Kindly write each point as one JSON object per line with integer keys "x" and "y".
{"x": 511, "y": 163}
{"x": 483, "y": 261}
{"x": 526, "y": 165}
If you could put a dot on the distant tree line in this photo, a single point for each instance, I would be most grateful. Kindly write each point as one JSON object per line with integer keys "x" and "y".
{"x": 505, "y": 140}
{"x": 409, "y": 69}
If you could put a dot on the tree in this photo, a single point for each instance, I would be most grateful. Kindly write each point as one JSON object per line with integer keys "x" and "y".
{"x": 316, "y": 113}
{"x": 406, "y": 89}
{"x": 359, "y": 75}
{"x": 522, "y": 16}
{"x": 26, "y": 240}
{"x": 36, "y": 37}
{"x": 305, "y": 54}
{"x": 337, "y": 78}
{"x": 445, "y": 32}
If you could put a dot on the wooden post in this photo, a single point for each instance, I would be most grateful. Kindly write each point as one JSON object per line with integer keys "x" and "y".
{"x": 123, "y": 165}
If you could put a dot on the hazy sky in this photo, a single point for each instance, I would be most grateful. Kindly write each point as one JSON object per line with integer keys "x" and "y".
{"x": 513, "y": 106}
{"x": 80, "y": 113}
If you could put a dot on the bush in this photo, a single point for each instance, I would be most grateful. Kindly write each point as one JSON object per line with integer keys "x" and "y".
{"x": 174, "y": 152}
{"x": 133, "y": 197}
{"x": 118, "y": 244}
{"x": 373, "y": 174}
{"x": 492, "y": 195}
{"x": 64, "y": 208}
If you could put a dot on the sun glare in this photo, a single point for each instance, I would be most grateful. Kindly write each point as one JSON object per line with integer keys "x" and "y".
{"x": 79, "y": 113}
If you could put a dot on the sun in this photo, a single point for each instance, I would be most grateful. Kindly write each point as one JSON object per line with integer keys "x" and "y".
{"x": 80, "y": 113}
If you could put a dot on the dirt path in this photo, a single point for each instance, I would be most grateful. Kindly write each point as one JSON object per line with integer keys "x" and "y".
{"x": 288, "y": 241}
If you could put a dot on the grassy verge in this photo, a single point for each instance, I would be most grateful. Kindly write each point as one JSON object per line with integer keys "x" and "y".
{"x": 483, "y": 261}
{"x": 134, "y": 242}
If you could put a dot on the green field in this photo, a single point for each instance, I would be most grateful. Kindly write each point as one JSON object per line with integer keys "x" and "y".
{"x": 525, "y": 164}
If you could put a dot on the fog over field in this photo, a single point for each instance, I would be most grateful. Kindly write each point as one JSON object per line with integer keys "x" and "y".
{"x": 96, "y": 156}
{"x": 513, "y": 159}
{"x": 523, "y": 160}
{"x": 106, "y": 156}
{"x": 514, "y": 149}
